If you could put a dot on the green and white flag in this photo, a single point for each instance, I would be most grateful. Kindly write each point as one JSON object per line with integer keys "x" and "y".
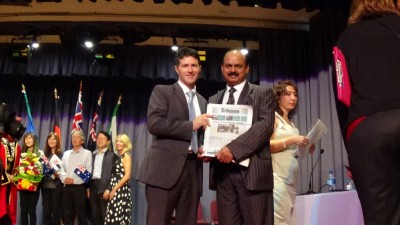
{"x": 113, "y": 125}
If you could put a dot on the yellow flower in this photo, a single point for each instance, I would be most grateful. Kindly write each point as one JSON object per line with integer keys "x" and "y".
{"x": 35, "y": 159}
{"x": 25, "y": 183}
{"x": 30, "y": 172}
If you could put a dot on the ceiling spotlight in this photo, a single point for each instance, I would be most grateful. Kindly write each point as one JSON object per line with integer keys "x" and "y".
{"x": 34, "y": 43}
{"x": 88, "y": 44}
{"x": 174, "y": 46}
{"x": 244, "y": 49}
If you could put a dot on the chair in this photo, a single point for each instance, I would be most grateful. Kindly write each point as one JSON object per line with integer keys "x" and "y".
{"x": 214, "y": 212}
{"x": 200, "y": 216}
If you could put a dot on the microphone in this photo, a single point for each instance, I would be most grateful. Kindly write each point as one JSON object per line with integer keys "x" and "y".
{"x": 311, "y": 180}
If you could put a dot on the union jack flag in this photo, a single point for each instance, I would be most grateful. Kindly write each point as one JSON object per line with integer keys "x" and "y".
{"x": 77, "y": 123}
{"x": 91, "y": 145}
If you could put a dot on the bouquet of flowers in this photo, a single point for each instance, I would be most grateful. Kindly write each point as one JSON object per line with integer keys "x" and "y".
{"x": 29, "y": 173}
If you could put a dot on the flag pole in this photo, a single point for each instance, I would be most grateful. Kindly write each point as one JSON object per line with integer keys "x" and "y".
{"x": 113, "y": 126}
{"x": 56, "y": 126}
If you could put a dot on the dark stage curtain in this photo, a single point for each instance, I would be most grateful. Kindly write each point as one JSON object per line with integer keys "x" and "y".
{"x": 134, "y": 62}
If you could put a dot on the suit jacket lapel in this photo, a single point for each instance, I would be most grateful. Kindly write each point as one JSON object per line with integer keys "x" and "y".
{"x": 244, "y": 98}
{"x": 178, "y": 93}
{"x": 220, "y": 96}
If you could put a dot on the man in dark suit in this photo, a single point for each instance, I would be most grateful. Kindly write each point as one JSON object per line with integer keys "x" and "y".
{"x": 171, "y": 170}
{"x": 99, "y": 186}
{"x": 244, "y": 193}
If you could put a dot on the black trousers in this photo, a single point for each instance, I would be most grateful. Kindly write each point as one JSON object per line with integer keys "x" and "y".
{"x": 28, "y": 201}
{"x": 75, "y": 204}
{"x": 51, "y": 201}
{"x": 238, "y": 205}
{"x": 374, "y": 157}
{"x": 97, "y": 204}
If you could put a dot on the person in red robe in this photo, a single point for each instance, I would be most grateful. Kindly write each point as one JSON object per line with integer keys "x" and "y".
{"x": 11, "y": 130}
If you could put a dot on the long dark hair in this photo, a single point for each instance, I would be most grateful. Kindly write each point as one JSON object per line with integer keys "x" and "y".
{"x": 279, "y": 90}
{"x": 47, "y": 149}
{"x": 35, "y": 143}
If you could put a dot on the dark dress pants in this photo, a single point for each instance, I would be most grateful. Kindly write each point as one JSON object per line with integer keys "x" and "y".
{"x": 184, "y": 197}
{"x": 374, "y": 157}
{"x": 97, "y": 204}
{"x": 74, "y": 204}
{"x": 236, "y": 204}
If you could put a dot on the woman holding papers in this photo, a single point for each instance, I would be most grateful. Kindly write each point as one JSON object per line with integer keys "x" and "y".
{"x": 51, "y": 184}
{"x": 120, "y": 205}
{"x": 284, "y": 146}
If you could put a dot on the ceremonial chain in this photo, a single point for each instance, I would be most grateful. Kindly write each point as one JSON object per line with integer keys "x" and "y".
{"x": 10, "y": 149}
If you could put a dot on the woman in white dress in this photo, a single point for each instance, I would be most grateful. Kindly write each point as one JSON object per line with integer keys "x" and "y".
{"x": 284, "y": 146}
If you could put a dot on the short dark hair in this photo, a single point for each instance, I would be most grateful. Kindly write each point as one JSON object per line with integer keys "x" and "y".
{"x": 185, "y": 51}
{"x": 105, "y": 134}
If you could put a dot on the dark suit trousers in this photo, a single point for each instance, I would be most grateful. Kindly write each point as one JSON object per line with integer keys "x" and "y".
{"x": 374, "y": 154}
{"x": 236, "y": 204}
{"x": 97, "y": 204}
{"x": 184, "y": 197}
{"x": 74, "y": 204}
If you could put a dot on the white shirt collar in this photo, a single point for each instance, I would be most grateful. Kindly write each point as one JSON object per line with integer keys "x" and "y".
{"x": 185, "y": 88}
{"x": 238, "y": 87}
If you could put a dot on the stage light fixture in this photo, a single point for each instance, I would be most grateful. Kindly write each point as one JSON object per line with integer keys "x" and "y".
{"x": 174, "y": 46}
{"x": 104, "y": 55}
{"x": 85, "y": 39}
{"x": 203, "y": 55}
{"x": 19, "y": 53}
{"x": 132, "y": 37}
{"x": 88, "y": 44}
{"x": 244, "y": 49}
{"x": 35, "y": 44}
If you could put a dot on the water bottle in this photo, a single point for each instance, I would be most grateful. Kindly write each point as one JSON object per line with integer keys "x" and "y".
{"x": 331, "y": 181}
{"x": 350, "y": 185}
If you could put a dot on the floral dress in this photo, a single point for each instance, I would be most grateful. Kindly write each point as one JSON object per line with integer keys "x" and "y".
{"x": 120, "y": 207}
